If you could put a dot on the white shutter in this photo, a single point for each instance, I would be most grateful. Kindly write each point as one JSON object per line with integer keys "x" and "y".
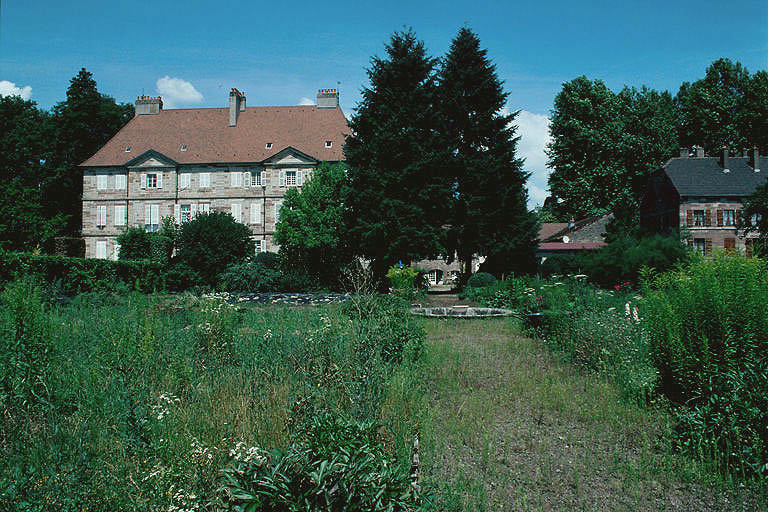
{"x": 120, "y": 181}
{"x": 234, "y": 178}
{"x": 184, "y": 180}
{"x": 147, "y": 215}
{"x": 192, "y": 210}
{"x": 160, "y": 179}
{"x": 236, "y": 210}
{"x": 282, "y": 178}
{"x": 205, "y": 180}
{"x": 277, "y": 211}
{"x": 101, "y": 181}
{"x": 247, "y": 179}
{"x": 101, "y": 249}
{"x": 155, "y": 214}
{"x": 262, "y": 178}
{"x": 299, "y": 177}
{"x": 143, "y": 181}
{"x": 120, "y": 215}
{"x": 255, "y": 213}
{"x": 177, "y": 213}
{"x": 205, "y": 207}
{"x": 117, "y": 251}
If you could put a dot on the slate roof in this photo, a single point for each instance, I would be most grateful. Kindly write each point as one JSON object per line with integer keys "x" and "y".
{"x": 549, "y": 229}
{"x": 705, "y": 176}
{"x": 587, "y": 230}
{"x": 209, "y": 138}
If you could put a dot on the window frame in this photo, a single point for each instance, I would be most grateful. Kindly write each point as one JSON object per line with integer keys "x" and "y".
{"x": 152, "y": 180}
{"x": 295, "y": 175}
{"x": 699, "y": 218}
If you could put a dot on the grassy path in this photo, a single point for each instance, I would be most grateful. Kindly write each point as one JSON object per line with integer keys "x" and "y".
{"x": 508, "y": 427}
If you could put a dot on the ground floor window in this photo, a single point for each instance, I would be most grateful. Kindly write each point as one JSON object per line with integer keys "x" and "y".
{"x": 434, "y": 276}
{"x": 186, "y": 213}
{"x": 699, "y": 244}
{"x": 101, "y": 249}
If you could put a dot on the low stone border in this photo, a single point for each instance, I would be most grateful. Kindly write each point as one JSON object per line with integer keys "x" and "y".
{"x": 460, "y": 312}
{"x": 295, "y": 299}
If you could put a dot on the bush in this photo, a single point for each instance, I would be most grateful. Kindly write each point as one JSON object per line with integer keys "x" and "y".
{"x": 480, "y": 279}
{"x": 402, "y": 278}
{"x": 708, "y": 328}
{"x": 250, "y": 277}
{"x": 79, "y": 275}
{"x": 560, "y": 265}
{"x": 621, "y": 260}
{"x": 335, "y": 465}
{"x": 211, "y": 242}
{"x": 134, "y": 244}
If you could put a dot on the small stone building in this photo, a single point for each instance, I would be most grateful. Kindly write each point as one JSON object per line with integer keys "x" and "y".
{"x": 178, "y": 162}
{"x": 701, "y": 197}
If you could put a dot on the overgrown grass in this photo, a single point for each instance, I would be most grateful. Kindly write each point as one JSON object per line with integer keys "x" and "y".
{"x": 149, "y": 395}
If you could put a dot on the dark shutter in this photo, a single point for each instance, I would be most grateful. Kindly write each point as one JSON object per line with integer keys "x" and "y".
{"x": 708, "y": 246}
{"x": 729, "y": 244}
{"x": 689, "y": 218}
{"x": 720, "y": 218}
{"x": 708, "y": 218}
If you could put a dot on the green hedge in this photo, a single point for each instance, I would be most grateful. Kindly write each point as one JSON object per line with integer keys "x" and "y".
{"x": 78, "y": 275}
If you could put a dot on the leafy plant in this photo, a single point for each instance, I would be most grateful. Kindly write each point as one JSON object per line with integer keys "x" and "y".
{"x": 480, "y": 279}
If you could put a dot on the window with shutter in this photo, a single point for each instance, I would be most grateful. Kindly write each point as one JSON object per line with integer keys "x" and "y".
{"x": 160, "y": 180}
{"x": 236, "y": 209}
{"x": 147, "y": 216}
{"x": 246, "y": 179}
{"x": 101, "y": 249}
{"x": 708, "y": 218}
{"x": 204, "y": 207}
{"x": 282, "y": 178}
{"x": 689, "y": 218}
{"x": 698, "y": 218}
{"x": 720, "y": 218}
{"x": 101, "y": 216}
{"x": 177, "y": 213}
{"x": 699, "y": 244}
{"x": 205, "y": 180}
{"x": 185, "y": 180}
{"x": 143, "y": 181}
{"x": 299, "y": 178}
{"x": 235, "y": 177}
{"x": 120, "y": 181}
{"x": 101, "y": 182}
{"x": 262, "y": 178}
{"x": 193, "y": 209}
{"x": 155, "y": 217}
{"x": 120, "y": 215}
{"x": 256, "y": 213}
{"x": 290, "y": 178}
{"x": 277, "y": 211}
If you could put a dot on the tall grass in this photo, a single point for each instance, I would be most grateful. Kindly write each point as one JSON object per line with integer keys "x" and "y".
{"x": 149, "y": 395}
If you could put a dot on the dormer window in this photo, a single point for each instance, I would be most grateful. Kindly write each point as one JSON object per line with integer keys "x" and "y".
{"x": 183, "y": 147}
{"x": 127, "y": 149}
{"x": 328, "y": 143}
{"x": 268, "y": 145}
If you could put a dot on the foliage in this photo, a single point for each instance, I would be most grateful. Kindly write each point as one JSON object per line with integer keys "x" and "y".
{"x": 560, "y": 264}
{"x": 311, "y": 228}
{"x": 754, "y": 217}
{"x": 605, "y": 145}
{"x": 402, "y": 278}
{"x": 153, "y": 392}
{"x": 24, "y": 137}
{"x": 489, "y": 206}
{"x": 78, "y": 275}
{"x": 25, "y": 347}
{"x": 81, "y": 125}
{"x": 134, "y": 244}
{"x": 397, "y": 194}
{"x": 210, "y": 242}
{"x": 709, "y": 339}
{"x": 337, "y": 465}
{"x": 622, "y": 259}
{"x": 480, "y": 279}
{"x": 725, "y": 108}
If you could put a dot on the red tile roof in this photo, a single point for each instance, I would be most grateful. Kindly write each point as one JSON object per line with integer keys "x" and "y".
{"x": 210, "y": 139}
{"x": 549, "y": 229}
{"x": 575, "y": 246}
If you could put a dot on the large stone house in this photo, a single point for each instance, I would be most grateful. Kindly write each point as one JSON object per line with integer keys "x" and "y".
{"x": 701, "y": 197}
{"x": 178, "y": 162}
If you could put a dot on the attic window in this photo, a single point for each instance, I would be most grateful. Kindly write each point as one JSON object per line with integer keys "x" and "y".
{"x": 328, "y": 143}
{"x": 268, "y": 145}
{"x": 127, "y": 149}
{"x": 183, "y": 147}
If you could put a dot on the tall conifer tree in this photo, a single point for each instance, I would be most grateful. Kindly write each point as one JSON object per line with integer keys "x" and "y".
{"x": 490, "y": 215}
{"x": 398, "y": 193}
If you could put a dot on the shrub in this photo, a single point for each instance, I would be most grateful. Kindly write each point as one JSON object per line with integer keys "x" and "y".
{"x": 708, "y": 328}
{"x": 78, "y": 275}
{"x": 402, "y": 278}
{"x": 134, "y": 244}
{"x": 560, "y": 265}
{"x": 211, "y": 242}
{"x": 621, "y": 260}
{"x": 335, "y": 465}
{"x": 480, "y": 279}
{"x": 250, "y": 277}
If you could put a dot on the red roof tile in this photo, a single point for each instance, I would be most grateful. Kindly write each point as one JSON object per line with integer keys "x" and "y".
{"x": 576, "y": 246}
{"x": 210, "y": 139}
{"x": 549, "y": 229}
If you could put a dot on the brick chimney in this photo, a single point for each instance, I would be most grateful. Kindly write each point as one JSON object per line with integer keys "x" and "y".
{"x": 698, "y": 151}
{"x": 147, "y": 105}
{"x": 725, "y": 157}
{"x": 327, "y": 98}
{"x": 754, "y": 159}
{"x": 236, "y": 105}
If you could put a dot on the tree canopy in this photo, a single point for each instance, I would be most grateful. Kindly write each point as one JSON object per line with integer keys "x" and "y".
{"x": 311, "y": 231}
{"x": 489, "y": 214}
{"x": 397, "y": 199}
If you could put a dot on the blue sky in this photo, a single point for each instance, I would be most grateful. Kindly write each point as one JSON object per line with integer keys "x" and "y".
{"x": 280, "y": 53}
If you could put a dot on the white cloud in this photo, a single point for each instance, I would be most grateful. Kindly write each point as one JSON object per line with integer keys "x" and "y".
{"x": 9, "y": 89}
{"x": 533, "y": 130}
{"x": 176, "y": 91}
{"x": 306, "y": 101}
